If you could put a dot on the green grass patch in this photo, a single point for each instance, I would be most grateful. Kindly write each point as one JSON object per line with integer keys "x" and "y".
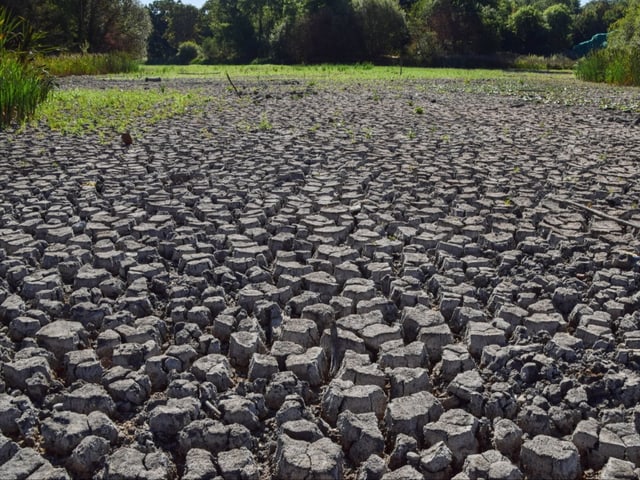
{"x": 112, "y": 111}
{"x": 89, "y": 64}
{"x": 357, "y": 72}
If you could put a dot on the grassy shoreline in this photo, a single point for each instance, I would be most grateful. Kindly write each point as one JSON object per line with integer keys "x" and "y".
{"x": 332, "y": 72}
{"x": 137, "y": 105}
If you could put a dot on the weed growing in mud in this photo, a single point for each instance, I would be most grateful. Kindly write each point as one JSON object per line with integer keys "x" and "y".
{"x": 419, "y": 110}
{"x": 265, "y": 124}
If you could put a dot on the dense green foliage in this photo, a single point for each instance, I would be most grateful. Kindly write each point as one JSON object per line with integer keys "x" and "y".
{"x": 23, "y": 83}
{"x": 409, "y": 32}
{"x": 418, "y": 31}
{"x": 619, "y": 62}
{"x": 96, "y": 26}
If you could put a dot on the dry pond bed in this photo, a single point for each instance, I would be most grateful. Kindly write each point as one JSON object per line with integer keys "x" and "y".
{"x": 423, "y": 279}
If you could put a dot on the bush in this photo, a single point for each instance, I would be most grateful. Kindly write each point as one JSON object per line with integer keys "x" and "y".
{"x": 539, "y": 62}
{"x": 89, "y": 64}
{"x": 187, "y": 53}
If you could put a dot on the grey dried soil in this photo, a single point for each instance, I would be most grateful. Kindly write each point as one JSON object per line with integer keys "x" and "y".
{"x": 268, "y": 285}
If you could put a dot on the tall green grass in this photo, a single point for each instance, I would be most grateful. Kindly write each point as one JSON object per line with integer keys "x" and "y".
{"x": 619, "y": 67}
{"x": 23, "y": 82}
{"x": 89, "y": 64}
{"x": 22, "y": 88}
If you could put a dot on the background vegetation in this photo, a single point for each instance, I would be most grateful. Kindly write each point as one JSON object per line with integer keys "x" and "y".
{"x": 424, "y": 32}
{"x": 99, "y": 36}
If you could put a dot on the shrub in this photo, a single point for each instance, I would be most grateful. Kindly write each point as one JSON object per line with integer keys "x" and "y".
{"x": 89, "y": 64}
{"x": 187, "y": 53}
{"x": 539, "y": 62}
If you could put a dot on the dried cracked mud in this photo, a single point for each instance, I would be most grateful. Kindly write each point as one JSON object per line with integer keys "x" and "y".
{"x": 435, "y": 279}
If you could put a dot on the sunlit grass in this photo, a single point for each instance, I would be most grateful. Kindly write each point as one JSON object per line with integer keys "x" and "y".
{"x": 82, "y": 111}
{"x": 329, "y": 72}
{"x": 88, "y": 64}
{"x": 22, "y": 87}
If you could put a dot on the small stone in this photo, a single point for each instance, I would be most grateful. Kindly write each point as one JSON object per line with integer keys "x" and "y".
{"x": 479, "y": 335}
{"x": 507, "y": 437}
{"x": 404, "y": 473}
{"x": 403, "y": 446}
{"x": 310, "y": 366}
{"x": 360, "y": 435}
{"x": 479, "y": 465}
{"x": 166, "y": 421}
{"x": 242, "y": 345}
{"x": 238, "y": 464}
{"x": 342, "y": 396}
{"x": 63, "y": 431}
{"x": 88, "y": 456}
{"x": 408, "y": 415}
{"x": 25, "y": 463}
{"x": 8, "y": 449}
{"x": 128, "y": 463}
{"x": 262, "y": 366}
{"x": 199, "y": 465}
{"x": 300, "y": 429}
{"x": 457, "y": 429}
{"x": 617, "y": 469}
{"x": 62, "y": 336}
{"x": 436, "y": 462}
{"x": 240, "y": 410}
{"x": 373, "y": 468}
{"x": 407, "y": 381}
{"x": 88, "y": 398}
{"x": 548, "y": 457}
{"x": 298, "y": 459}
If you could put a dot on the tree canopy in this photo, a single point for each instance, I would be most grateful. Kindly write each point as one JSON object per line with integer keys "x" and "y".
{"x": 167, "y": 31}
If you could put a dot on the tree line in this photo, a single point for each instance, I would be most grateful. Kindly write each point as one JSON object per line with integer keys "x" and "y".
{"x": 309, "y": 31}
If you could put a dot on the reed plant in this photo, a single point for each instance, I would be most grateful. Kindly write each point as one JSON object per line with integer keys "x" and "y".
{"x": 24, "y": 83}
{"x": 615, "y": 66}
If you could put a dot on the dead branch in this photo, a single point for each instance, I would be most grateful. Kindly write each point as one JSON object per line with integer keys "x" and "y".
{"x": 597, "y": 213}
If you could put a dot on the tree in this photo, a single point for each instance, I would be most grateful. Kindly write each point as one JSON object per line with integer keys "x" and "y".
{"x": 457, "y": 24}
{"x": 494, "y": 17}
{"x": 56, "y": 19}
{"x": 596, "y": 17}
{"x": 625, "y": 33}
{"x": 382, "y": 26}
{"x": 529, "y": 31}
{"x": 231, "y": 34}
{"x": 560, "y": 24}
{"x": 100, "y": 25}
{"x": 126, "y": 29}
{"x": 159, "y": 50}
{"x": 182, "y": 24}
